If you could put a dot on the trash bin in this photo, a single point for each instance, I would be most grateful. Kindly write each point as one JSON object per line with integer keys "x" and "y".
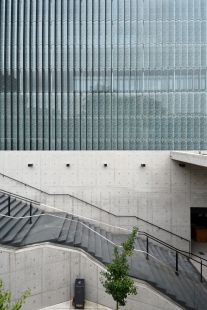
{"x": 79, "y": 293}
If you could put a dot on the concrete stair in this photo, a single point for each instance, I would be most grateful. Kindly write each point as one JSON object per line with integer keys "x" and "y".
{"x": 59, "y": 227}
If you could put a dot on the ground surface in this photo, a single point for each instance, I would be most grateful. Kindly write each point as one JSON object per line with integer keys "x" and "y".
{"x": 197, "y": 248}
{"x": 68, "y": 305}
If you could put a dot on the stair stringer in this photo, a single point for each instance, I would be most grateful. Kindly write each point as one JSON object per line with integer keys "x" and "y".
{"x": 72, "y": 263}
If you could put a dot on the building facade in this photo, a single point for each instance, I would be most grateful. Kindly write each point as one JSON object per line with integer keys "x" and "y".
{"x": 103, "y": 74}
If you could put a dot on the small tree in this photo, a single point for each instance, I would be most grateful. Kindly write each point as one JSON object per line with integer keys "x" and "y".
{"x": 5, "y": 298}
{"x": 117, "y": 282}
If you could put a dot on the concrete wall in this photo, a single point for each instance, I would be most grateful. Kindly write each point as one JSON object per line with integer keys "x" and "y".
{"x": 161, "y": 193}
{"x": 199, "y": 159}
{"x": 50, "y": 272}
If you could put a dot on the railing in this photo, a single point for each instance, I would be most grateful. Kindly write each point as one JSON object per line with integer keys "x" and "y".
{"x": 31, "y": 201}
{"x": 105, "y": 211}
{"x": 188, "y": 255}
{"x": 147, "y": 270}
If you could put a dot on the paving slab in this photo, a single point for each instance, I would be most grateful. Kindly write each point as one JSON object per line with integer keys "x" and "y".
{"x": 68, "y": 305}
{"x": 198, "y": 248}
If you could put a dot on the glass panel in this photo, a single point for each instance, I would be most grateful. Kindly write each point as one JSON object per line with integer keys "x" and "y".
{"x": 120, "y": 115}
{"x": 132, "y": 122}
{"x": 114, "y": 121}
{"x": 126, "y": 126}
{"x": 108, "y": 128}
{"x": 72, "y": 59}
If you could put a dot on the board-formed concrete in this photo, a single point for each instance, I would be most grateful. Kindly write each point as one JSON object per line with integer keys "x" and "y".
{"x": 162, "y": 192}
{"x": 50, "y": 272}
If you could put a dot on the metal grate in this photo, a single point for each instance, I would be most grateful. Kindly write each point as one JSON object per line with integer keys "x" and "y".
{"x": 201, "y": 253}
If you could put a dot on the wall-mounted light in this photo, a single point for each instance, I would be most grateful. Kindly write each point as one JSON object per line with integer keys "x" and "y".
{"x": 105, "y": 164}
{"x": 30, "y": 165}
{"x": 182, "y": 165}
{"x": 143, "y": 165}
{"x": 68, "y": 165}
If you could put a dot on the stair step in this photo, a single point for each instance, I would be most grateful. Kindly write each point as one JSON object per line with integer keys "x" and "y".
{"x": 184, "y": 285}
{"x": 160, "y": 282}
{"x": 169, "y": 277}
{"x": 105, "y": 249}
{"x": 162, "y": 276}
{"x": 4, "y": 199}
{"x": 18, "y": 206}
{"x": 110, "y": 245}
{"x": 4, "y": 207}
{"x": 18, "y": 226}
{"x": 66, "y": 226}
{"x": 71, "y": 233}
{"x": 201, "y": 302}
{"x": 91, "y": 240}
{"x": 8, "y": 223}
{"x": 140, "y": 270}
{"x": 85, "y": 236}
{"x": 181, "y": 285}
{"x": 140, "y": 266}
{"x": 98, "y": 244}
{"x": 66, "y": 229}
{"x": 24, "y": 232}
{"x": 78, "y": 234}
{"x": 119, "y": 239}
{"x": 180, "y": 293}
{"x": 47, "y": 228}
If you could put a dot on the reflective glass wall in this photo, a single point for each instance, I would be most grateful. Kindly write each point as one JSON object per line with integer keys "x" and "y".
{"x": 103, "y": 74}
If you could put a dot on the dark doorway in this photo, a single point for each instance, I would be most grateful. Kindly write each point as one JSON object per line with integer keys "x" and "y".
{"x": 199, "y": 224}
{"x": 199, "y": 216}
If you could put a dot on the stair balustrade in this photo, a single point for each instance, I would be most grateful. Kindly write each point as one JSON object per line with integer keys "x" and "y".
{"x": 105, "y": 215}
{"x": 67, "y": 229}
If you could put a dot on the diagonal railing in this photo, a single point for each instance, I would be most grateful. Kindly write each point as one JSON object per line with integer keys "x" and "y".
{"x": 186, "y": 254}
{"x": 30, "y": 201}
{"x": 102, "y": 210}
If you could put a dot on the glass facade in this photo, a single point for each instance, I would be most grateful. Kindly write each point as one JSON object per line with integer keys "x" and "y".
{"x": 103, "y": 74}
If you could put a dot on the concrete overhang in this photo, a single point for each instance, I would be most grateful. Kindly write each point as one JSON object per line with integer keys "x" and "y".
{"x": 193, "y": 157}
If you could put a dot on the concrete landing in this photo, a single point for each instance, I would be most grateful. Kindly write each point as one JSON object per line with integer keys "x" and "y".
{"x": 68, "y": 305}
{"x": 196, "y": 248}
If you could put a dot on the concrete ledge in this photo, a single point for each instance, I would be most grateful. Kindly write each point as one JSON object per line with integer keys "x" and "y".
{"x": 190, "y": 158}
{"x": 50, "y": 271}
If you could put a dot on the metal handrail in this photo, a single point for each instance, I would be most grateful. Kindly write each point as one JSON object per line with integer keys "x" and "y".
{"x": 182, "y": 252}
{"x": 19, "y": 197}
{"x": 177, "y": 251}
{"x": 89, "y": 228}
{"x": 129, "y": 216}
{"x": 169, "y": 246}
{"x": 31, "y": 201}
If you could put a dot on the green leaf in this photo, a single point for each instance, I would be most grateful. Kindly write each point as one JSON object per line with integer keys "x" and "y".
{"x": 116, "y": 280}
{"x": 5, "y": 298}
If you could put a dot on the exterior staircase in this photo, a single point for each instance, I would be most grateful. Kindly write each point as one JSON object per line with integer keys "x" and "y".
{"x": 62, "y": 228}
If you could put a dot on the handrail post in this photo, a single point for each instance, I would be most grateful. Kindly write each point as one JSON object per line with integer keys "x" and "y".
{"x": 9, "y": 211}
{"x": 201, "y": 271}
{"x": 177, "y": 264}
{"x": 147, "y": 248}
{"x": 30, "y": 213}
